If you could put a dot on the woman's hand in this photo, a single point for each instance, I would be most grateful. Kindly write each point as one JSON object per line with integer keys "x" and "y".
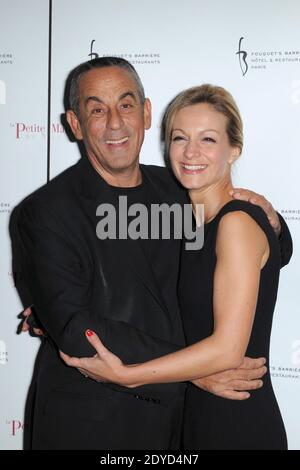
{"x": 103, "y": 367}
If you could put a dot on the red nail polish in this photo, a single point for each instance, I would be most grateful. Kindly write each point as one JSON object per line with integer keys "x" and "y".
{"x": 89, "y": 333}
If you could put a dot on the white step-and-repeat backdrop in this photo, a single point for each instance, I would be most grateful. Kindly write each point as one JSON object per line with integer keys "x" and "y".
{"x": 252, "y": 48}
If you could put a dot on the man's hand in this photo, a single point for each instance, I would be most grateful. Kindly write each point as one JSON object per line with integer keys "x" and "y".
{"x": 261, "y": 201}
{"x": 232, "y": 384}
{"x": 26, "y": 323}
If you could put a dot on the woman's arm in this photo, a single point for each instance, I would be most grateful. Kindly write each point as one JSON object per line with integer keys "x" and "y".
{"x": 242, "y": 249}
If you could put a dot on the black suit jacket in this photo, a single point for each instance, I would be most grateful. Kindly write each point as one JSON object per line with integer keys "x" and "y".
{"x": 77, "y": 281}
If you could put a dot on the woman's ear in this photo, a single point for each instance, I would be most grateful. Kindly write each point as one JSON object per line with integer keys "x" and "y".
{"x": 234, "y": 155}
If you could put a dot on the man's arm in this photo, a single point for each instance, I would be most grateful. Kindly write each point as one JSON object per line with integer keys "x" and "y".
{"x": 19, "y": 281}
{"x": 18, "y": 277}
{"x": 61, "y": 293}
{"x": 276, "y": 220}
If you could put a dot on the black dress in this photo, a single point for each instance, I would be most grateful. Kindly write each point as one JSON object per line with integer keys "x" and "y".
{"x": 212, "y": 422}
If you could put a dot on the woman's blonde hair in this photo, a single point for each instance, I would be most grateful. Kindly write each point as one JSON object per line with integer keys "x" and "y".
{"x": 217, "y": 97}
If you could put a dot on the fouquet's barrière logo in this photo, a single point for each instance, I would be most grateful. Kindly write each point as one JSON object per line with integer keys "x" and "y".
{"x": 93, "y": 55}
{"x": 242, "y": 58}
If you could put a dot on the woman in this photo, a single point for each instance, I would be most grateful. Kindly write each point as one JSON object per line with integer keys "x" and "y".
{"x": 227, "y": 289}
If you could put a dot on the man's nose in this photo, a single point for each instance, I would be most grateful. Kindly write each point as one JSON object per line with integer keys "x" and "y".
{"x": 114, "y": 119}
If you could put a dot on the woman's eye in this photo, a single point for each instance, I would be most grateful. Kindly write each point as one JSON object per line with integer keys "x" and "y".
{"x": 209, "y": 139}
{"x": 177, "y": 137}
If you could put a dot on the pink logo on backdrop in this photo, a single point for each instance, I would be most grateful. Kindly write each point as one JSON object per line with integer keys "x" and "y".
{"x": 15, "y": 426}
{"x": 27, "y": 130}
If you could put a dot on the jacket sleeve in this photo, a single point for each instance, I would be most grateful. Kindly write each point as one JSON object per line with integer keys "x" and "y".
{"x": 19, "y": 281}
{"x": 61, "y": 293}
{"x": 286, "y": 242}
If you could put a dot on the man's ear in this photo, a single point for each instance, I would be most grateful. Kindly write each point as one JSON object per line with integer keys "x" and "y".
{"x": 147, "y": 113}
{"x": 74, "y": 123}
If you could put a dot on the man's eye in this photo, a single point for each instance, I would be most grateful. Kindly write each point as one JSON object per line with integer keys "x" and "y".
{"x": 126, "y": 106}
{"x": 97, "y": 110}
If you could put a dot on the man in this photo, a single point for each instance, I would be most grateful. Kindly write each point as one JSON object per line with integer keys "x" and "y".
{"x": 123, "y": 289}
